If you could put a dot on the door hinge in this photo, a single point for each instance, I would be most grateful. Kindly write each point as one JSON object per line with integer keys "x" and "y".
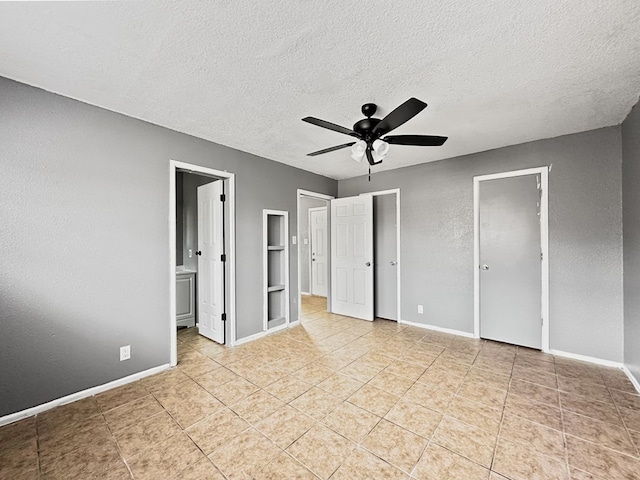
{"x": 223, "y": 257}
{"x": 541, "y": 256}
{"x": 223, "y": 197}
{"x": 224, "y": 317}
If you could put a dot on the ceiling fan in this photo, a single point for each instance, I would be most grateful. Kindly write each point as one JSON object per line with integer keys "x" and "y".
{"x": 373, "y": 141}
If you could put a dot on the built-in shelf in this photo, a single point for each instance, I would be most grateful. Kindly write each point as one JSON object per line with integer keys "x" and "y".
{"x": 276, "y": 269}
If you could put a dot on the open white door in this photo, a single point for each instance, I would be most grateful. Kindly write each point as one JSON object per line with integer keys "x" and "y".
{"x": 352, "y": 256}
{"x": 318, "y": 226}
{"x": 210, "y": 265}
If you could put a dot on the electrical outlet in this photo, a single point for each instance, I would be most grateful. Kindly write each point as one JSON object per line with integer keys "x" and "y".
{"x": 125, "y": 353}
{"x": 420, "y": 309}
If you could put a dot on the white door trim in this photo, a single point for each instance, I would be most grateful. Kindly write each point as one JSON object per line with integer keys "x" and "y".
{"x": 544, "y": 245}
{"x": 174, "y": 165}
{"x": 320, "y": 196}
{"x": 396, "y": 192}
{"x": 315, "y": 209}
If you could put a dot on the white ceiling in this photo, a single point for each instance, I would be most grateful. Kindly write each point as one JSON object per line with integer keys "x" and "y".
{"x": 243, "y": 73}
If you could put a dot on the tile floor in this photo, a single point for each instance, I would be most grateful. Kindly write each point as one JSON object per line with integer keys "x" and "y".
{"x": 347, "y": 399}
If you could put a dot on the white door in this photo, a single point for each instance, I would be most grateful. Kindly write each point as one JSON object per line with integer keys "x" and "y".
{"x": 318, "y": 223}
{"x": 352, "y": 256}
{"x": 510, "y": 260}
{"x": 210, "y": 274}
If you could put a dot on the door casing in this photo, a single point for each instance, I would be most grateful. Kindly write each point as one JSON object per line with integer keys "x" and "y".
{"x": 231, "y": 256}
{"x": 544, "y": 246}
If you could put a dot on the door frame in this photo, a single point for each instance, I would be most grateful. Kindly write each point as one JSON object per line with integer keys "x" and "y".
{"x": 174, "y": 165}
{"x": 326, "y": 231}
{"x": 320, "y": 196}
{"x": 544, "y": 245}
{"x": 396, "y": 192}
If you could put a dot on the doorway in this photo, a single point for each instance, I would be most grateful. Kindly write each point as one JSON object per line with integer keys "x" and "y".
{"x": 224, "y": 307}
{"x": 319, "y": 252}
{"x": 510, "y": 258}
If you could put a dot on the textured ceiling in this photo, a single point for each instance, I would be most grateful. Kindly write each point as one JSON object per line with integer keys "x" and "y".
{"x": 243, "y": 73}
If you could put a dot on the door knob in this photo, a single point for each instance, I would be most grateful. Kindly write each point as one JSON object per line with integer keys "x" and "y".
{"x": 313, "y": 259}
{"x": 198, "y": 252}
{"x": 393, "y": 264}
{"x": 485, "y": 267}
{"x": 368, "y": 264}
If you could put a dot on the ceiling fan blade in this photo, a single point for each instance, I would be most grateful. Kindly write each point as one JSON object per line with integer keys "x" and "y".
{"x": 330, "y": 149}
{"x": 330, "y": 126}
{"x": 418, "y": 140}
{"x": 400, "y": 115}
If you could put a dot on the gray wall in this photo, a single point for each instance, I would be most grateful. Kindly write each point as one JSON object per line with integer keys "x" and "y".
{"x": 305, "y": 253}
{"x": 631, "y": 230}
{"x": 190, "y": 184}
{"x": 585, "y": 236}
{"x": 84, "y": 203}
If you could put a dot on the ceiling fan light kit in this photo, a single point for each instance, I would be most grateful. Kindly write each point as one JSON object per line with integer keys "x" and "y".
{"x": 373, "y": 141}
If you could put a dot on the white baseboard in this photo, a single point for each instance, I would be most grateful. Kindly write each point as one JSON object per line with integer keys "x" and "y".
{"x": 633, "y": 380}
{"x": 586, "y": 358}
{"x": 250, "y": 338}
{"x": 305, "y": 293}
{"x": 29, "y": 412}
{"x": 438, "y": 329}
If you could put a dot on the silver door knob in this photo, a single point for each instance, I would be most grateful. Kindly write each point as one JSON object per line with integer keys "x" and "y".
{"x": 393, "y": 264}
{"x": 485, "y": 267}
{"x": 368, "y": 264}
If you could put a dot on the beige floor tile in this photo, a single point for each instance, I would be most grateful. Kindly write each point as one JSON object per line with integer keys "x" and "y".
{"x": 374, "y": 400}
{"x": 362, "y": 465}
{"x": 545, "y": 379}
{"x": 140, "y": 436}
{"x": 288, "y": 388}
{"x": 430, "y": 396}
{"x": 601, "y": 461}
{"x": 313, "y": 373}
{"x": 21, "y": 460}
{"x": 285, "y": 426}
{"x": 264, "y": 375}
{"x": 175, "y": 394}
{"x": 518, "y": 462}
{"x": 443, "y": 379}
{"x": 121, "y": 395}
{"x": 321, "y": 450}
{"x": 408, "y": 370}
{"x": 351, "y": 421}
{"x": 577, "y": 474}
{"x": 316, "y": 403}
{"x": 419, "y": 358}
{"x": 488, "y": 378}
{"x": 66, "y": 415}
{"x": 212, "y": 432}
{"x": 360, "y": 371}
{"x": 438, "y": 463}
{"x": 626, "y": 399}
{"x": 415, "y": 418}
{"x": 617, "y": 380}
{"x": 284, "y": 467}
{"x": 605, "y": 412}
{"x": 395, "y": 445}
{"x": 450, "y": 366}
{"x": 481, "y": 393}
{"x": 394, "y": 384}
{"x": 535, "y": 412}
{"x": 244, "y": 455}
{"x": 476, "y": 414}
{"x": 503, "y": 367}
{"x": 91, "y": 461}
{"x": 257, "y": 406}
{"x": 81, "y": 434}
{"x": 606, "y": 434}
{"x": 214, "y": 378}
{"x": 635, "y": 438}
{"x": 377, "y": 360}
{"x": 532, "y": 392}
{"x": 156, "y": 383}
{"x": 577, "y": 386}
{"x": 631, "y": 418}
{"x": 171, "y": 455}
{"x": 234, "y": 391}
{"x": 17, "y": 433}
{"x": 194, "y": 409}
{"x": 340, "y": 385}
{"x": 537, "y": 437}
{"x": 201, "y": 470}
{"x": 470, "y": 442}
{"x": 132, "y": 412}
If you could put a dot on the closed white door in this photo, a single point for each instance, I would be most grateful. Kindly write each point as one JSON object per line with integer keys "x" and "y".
{"x": 210, "y": 266}
{"x": 352, "y": 256}
{"x": 318, "y": 223}
{"x": 510, "y": 260}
